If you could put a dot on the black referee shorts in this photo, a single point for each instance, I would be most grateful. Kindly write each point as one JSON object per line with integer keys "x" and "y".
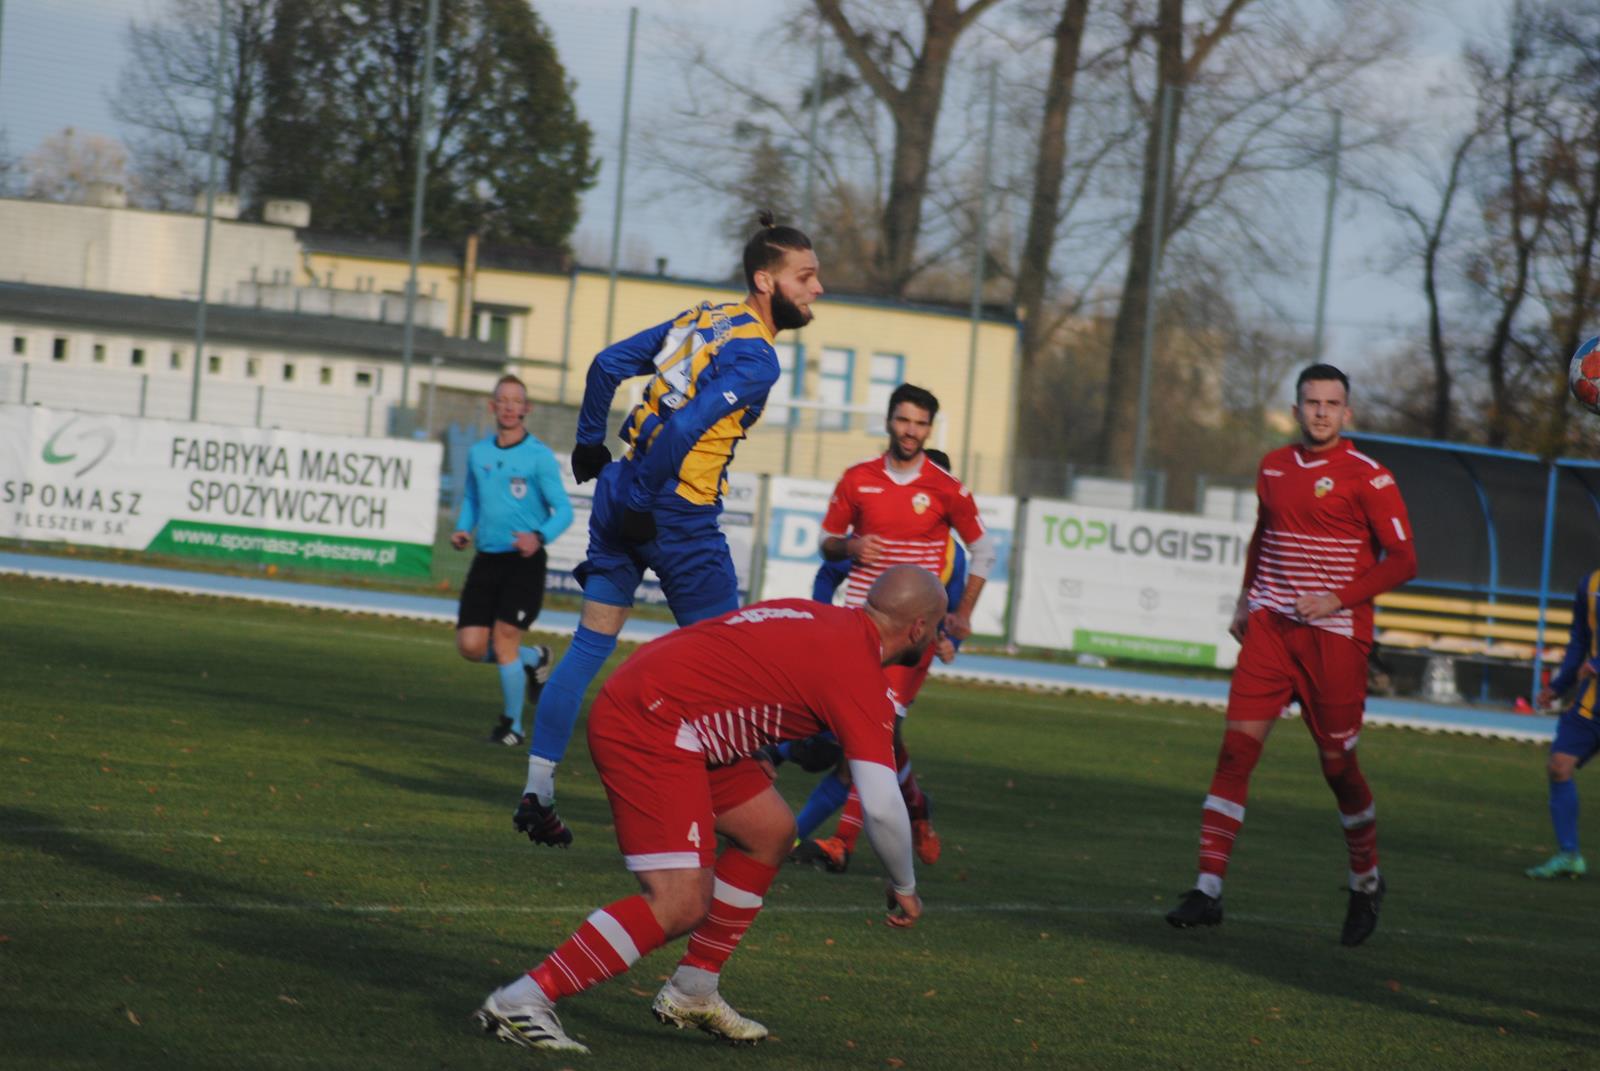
{"x": 502, "y": 587}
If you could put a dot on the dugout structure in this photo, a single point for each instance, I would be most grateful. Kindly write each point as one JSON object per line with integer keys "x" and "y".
{"x": 1497, "y": 525}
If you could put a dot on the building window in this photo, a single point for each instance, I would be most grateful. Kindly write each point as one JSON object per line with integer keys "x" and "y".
{"x": 887, "y": 371}
{"x": 58, "y": 349}
{"x": 834, "y": 374}
{"x": 364, "y": 380}
{"x": 252, "y": 367}
{"x": 325, "y": 375}
{"x": 288, "y": 371}
{"x": 786, "y": 388}
{"x": 99, "y": 353}
{"x": 213, "y": 364}
{"x": 175, "y": 362}
{"x": 19, "y": 345}
{"x": 136, "y": 357}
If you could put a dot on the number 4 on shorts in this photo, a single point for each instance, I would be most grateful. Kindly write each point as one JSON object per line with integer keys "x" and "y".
{"x": 694, "y": 834}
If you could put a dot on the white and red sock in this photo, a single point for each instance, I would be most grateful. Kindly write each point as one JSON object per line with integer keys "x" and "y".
{"x": 609, "y": 942}
{"x": 739, "y": 885}
{"x": 1222, "y": 815}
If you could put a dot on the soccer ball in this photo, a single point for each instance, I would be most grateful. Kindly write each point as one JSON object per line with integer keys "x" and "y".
{"x": 1583, "y": 375}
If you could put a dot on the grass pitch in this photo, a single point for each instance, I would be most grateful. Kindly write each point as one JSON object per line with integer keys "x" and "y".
{"x": 243, "y": 836}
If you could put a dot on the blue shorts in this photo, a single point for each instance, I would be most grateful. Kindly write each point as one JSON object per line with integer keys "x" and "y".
{"x": 1576, "y": 735}
{"x": 689, "y": 555}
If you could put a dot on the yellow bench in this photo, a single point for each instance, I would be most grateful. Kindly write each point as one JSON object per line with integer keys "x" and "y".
{"x": 1471, "y": 627}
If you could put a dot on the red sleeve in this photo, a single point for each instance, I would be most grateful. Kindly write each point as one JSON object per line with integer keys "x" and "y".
{"x": 861, "y": 714}
{"x": 964, "y": 515}
{"x": 1252, "y": 554}
{"x": 841, "y": 513}
{"x": 1391, "y": 527}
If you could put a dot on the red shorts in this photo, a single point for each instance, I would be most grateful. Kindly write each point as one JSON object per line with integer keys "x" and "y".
{"x": 1283, "y": 659}
{"x": 907, "y": 680}
{"x": 664, "y": 800}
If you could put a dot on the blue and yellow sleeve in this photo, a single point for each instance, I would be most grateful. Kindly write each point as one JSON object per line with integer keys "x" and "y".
{"x": 633, "y": 356}
{"x": 1580, "y": 640}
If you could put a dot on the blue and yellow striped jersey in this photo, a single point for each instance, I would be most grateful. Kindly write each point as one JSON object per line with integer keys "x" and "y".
{"x": 1582, "y": 646}
{"x": 710, "y": 370}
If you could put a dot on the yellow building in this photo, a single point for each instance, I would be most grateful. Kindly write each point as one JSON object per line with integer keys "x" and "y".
{"x": 841, "y": 368}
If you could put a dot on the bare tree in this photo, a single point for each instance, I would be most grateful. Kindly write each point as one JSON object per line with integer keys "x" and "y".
{"x": 64, "y": 165}
{"x": 878, "y": 49}
{"x": 1249, "y": 86}
{"x": 165, "y": 92}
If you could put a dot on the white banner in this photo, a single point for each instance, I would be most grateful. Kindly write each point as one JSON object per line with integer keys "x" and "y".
{"x": 1154, "y": 586}
{"x": 208, "y": 490}
{"x": 795, "y": 508}
{"x": 738, "y": 522}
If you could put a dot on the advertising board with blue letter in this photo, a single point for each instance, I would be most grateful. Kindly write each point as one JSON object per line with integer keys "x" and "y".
{"x": 738, "y": 522}
{"x": 1158, "y": 587}
{"x": 795, "y": 508}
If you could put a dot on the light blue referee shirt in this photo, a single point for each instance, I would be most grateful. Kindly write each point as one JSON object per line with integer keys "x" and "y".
{"x": 513, "y": 489}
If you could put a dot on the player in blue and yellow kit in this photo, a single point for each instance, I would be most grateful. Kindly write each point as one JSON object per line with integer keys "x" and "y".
{"x": 1577, "y": 732}
{"x": 710, "y": 370}
{"x": 515, "y": 504}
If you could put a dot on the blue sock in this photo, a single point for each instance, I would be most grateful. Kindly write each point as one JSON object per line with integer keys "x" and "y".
{"x": 827, "y": 797}
{"x": 1564, "y": 813}
{"x": 563, "y": 692}
{"x": 513, "y": 689}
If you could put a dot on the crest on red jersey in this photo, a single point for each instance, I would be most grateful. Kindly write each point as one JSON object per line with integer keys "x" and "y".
{"x": 1323, "y": 486}
{"x": 920, "y": 502}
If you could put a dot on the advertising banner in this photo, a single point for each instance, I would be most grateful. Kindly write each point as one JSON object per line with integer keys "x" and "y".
{"x": 738, "y": 523}
{"x": 1159, "y": 587}
{"x": 795, "y": 508}
{"x": 236, "y": 494}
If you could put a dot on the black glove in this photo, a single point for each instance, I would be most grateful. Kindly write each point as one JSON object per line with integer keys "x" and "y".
{"x": 638, "y": 526}
{"x": 588, "y": 459}
{"x": 816, "y": 753}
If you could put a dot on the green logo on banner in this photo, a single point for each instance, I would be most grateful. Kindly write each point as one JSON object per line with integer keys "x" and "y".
{"x": 102, "y": 437}
{"x": 268, "y": 547}
{"x": 1145, "y": 648}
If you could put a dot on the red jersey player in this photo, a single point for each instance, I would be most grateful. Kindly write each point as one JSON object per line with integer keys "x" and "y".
{"x": 668, "y": 734}
{"x": 899, "y": 509}
{"x": 1331, "y": 533}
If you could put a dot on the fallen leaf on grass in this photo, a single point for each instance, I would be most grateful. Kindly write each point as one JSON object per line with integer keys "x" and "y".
{"x": 895, "y": 1061}
{"x": 1255, "y": 1041}
{"x": 929, "y": 993}
{"x": 287, "y": 999}
{"x": 134, "y": 1019}
{"x": 1530, "y": 1014}
{"x": 636, "y": 991}
{"x": 1394, "y": 986}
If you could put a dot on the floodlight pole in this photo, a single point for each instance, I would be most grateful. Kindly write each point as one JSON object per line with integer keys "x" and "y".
{"x": 978, "y": 264}
{"x": 808, "y": 209}
{"x": 211, "y": 206}
{"x": 622, "y": 173}
{"x": 1148, "y": 345}
{"x": 1327, "y": 233}
{"x": 408, "y": 336}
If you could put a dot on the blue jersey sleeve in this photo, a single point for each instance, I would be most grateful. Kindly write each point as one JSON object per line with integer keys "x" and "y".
{"x": 633, "y": 356}
{"x": 829, "y": 576}
{"x": 738, "y": 383}
{"x": 548, "y": 480}
{"x": 1577, "y": 643}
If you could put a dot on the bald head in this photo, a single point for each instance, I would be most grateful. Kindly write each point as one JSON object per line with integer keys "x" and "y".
{"x": 907, "y": 603}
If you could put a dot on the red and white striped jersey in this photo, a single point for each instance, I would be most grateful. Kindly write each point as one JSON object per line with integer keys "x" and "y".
{"x": 779, "y": 670}
{"x": 1321, "y": 522}
{"x": 912, "y": 516}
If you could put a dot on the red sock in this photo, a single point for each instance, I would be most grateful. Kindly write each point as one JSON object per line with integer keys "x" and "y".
{"x": 608, "y": 943}
{"x": 736, "y": 895}
{"x": 1223, "y": 812}
{"x": 911, "y": 792}
{"x": 1357, "y": 813}
{"x": 849, "y": 830}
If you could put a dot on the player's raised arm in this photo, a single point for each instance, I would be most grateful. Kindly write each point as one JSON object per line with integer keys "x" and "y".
{"x": 888, "y": 827}
{"x": 632, "y": 356}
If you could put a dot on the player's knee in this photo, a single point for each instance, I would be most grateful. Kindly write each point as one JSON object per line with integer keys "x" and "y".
{"x": 472, "y": 648}
{"x": 1560, "y": 768}
{"x": 1240, "y": 752}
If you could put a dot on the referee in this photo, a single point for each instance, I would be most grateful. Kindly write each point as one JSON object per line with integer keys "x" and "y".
{"x": 514, "y": 505}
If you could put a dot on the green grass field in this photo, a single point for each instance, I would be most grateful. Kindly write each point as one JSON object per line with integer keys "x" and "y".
{"x": 242, "y": 836}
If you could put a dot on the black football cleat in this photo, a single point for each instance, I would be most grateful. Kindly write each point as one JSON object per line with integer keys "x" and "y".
{"x": 1361, "y": 917}
{"x": 1195, "y": 908}
{"x": 541, "y": 823}
{"x": 504, "y": 734}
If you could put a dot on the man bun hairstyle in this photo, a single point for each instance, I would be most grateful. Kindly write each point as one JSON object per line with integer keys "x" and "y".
{"x": 766, "y": 248}
{"x": 1320, "y": 372}
{"x": 920, "y": 397}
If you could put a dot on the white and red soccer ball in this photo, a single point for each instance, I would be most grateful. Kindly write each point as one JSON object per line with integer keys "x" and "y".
{"x": 1583, "y": 375}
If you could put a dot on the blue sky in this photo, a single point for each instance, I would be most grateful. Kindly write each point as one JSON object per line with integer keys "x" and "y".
{"x": 59, "y": 62}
